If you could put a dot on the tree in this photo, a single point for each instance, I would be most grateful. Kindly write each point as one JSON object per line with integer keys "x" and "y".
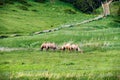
{"x": 106, "y": 7}
{"x": 52, "y": 1}
{"x": 40, "y": 1}
{"x": 86, "y": 6}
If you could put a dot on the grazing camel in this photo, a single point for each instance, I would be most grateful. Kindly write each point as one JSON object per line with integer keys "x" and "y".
{"x": 71, "y": 47}
{"x": 75, "y": 47}
{"x": 48, "y": 46}
{"x": 66, "y": 47}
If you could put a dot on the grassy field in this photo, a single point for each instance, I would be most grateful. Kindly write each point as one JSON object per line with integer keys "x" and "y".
{"x": 89, "y": 33}
{"x": 100, "y": 60}
{"x": 44, "y": 65}
{"x": 100, "y": 41}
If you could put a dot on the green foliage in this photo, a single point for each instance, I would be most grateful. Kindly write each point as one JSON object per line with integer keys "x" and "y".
{"x": 116, "y": 22}
{"x": 86, "y": 6}
{"x": 118, "y": 12}
{"x": 70, "y": 11}
{"x": 70, "y": 1}
{"x": 41, "y": 1}
{"x": 12, "y": 1}
{"x": 115, "y": 14}
{"x": 22, "y": 7}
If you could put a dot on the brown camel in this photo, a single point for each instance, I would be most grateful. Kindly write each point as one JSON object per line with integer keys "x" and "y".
{"x": 48, "y": 46}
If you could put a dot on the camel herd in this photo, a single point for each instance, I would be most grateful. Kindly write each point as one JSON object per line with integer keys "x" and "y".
{"x": 67, "y": 46}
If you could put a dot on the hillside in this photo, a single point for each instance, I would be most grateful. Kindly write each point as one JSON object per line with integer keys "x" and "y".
{"x": 17, "y": 21}
{"x": 99, "y": 61}
{"x": 21, "y": 19}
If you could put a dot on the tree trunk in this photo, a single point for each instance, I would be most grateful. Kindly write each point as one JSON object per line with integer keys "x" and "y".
{"x": 52, "y": 1}
{"x": 106, "y": 7}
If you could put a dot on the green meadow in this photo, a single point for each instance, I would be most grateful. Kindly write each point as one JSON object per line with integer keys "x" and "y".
{"x": 21, "y": 19}
{"x": 99, "y": 40}
{"x": 29, "y": 65}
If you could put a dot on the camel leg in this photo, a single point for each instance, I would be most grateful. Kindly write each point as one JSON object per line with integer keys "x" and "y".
{"x": 63, "y": 49}
{"x": 41, "y": 48}
{"x": 71, "y": 49}
{"x": 47, "y": 48}
{"x": 54, "y": 48}
{"x": 77, "y": 49}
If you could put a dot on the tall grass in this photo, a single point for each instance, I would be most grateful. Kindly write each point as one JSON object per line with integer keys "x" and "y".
{"x": 59, "y": 65}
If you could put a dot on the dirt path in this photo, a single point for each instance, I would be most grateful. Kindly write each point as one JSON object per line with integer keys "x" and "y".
{"x": 69, "y": 25}
{"x": 11, "y": 49}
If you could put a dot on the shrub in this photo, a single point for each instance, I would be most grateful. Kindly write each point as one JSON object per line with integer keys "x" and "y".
{"x": 23, "y": 7}
{"x": 69, "y": 11}
{"x": 69, "y": 1}
{"x": 118, "y": 12}
{"x": 40, "y": 1}
{"x": 86, "y": 6}
{"x": 24, "y": 2}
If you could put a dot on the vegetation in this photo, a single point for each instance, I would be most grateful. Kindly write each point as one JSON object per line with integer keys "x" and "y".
{"x": 29, "y": 65}
{"x": 20, "y": 19}
{"x": 41, "y": 1}
{"x": 98, "y": 39}
{"x": 99, "y": 61}
{"x": 86, "y": 6}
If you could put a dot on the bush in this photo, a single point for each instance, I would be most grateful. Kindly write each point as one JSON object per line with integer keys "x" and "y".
{"x": 86, "y": 6}
{"x": 118, "y": 12}
{"x": 83, "y": 6}
{"x": 24, "y": 2}
{"x": 40, "y": 1}
{"x": 69, "y": 11}
{"x": 69, "y": 1}
{"x": 23, "y": 8}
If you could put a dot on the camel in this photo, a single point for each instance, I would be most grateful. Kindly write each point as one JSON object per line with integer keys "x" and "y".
{"x": 66, "y": 47}
{"x": 71, "y": 47}
{"x": 48, "y": 46}
{"x": 75, "y": 47}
